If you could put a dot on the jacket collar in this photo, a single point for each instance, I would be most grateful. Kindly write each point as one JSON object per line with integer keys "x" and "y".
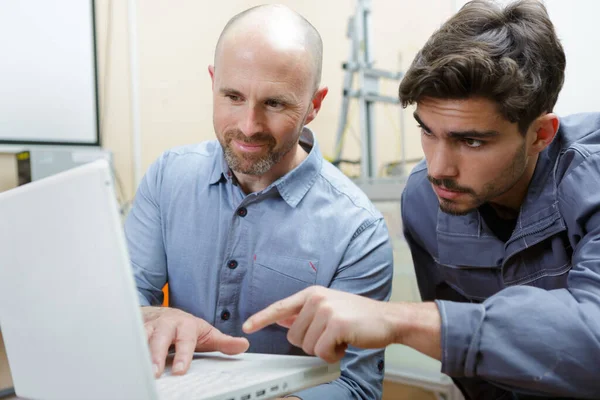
{"x": 539, "y": 217}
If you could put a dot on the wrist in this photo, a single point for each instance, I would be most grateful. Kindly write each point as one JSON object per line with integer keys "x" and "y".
{"x": 418, "y": 325}
{"x": 397, "y": 317}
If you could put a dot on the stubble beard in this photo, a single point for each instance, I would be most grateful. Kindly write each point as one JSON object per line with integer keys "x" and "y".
{"x": 251, "y": 164}
{"x": 492, "y": 189}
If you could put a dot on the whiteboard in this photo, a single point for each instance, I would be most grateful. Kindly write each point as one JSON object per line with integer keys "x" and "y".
{"x": 576, "y": 26}
{"x": 48, "y": 90}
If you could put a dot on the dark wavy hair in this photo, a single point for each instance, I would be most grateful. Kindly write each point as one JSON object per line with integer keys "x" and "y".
{"x": 509, "y": 55}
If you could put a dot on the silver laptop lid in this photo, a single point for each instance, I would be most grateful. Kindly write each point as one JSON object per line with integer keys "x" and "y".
{"x": 68, "y": 310}
{"x": 70, "y": 314}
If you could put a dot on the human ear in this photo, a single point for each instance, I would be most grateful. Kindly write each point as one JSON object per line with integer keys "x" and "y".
{"x": 545, "y": 129}
{"x": 211, "y": 72}
{"x": 316, "y": 101}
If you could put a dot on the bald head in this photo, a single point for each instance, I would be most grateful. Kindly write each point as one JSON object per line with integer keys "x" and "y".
{"x": 279, "y": 28}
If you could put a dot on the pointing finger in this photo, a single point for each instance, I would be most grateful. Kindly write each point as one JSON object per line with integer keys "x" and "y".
{"x": 281, "y": 310}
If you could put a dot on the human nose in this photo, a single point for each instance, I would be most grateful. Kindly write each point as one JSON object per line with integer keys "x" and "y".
{"x": 252, "y": 122}
{"x": 442, "y": 162}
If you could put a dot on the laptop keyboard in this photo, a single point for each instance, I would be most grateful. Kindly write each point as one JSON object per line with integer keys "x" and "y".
{"x": 196, "y": 384}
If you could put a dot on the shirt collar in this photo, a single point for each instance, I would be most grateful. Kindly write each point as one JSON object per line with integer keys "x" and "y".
{"x": 220, "y": 168}
{"x": 292, "y": 186}
{"x": 542, "y": 191}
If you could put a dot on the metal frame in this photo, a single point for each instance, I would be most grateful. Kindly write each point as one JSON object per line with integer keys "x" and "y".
{"x": 361, "y": 63}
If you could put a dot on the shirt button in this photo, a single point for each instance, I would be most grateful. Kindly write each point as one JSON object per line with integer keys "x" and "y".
{"x": 225, "y": 315}
{"x": 380, "y": 365}
{"x": 232, "y": 264}
{"x": 242, "y": 212}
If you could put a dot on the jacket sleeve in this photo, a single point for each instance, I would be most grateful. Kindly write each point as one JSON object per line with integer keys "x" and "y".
{"x": 531, "y": 340}
{"x": 366, "y": 270}
{"x": 143, "y": 231}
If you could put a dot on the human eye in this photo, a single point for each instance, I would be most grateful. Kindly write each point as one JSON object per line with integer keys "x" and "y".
{"x": 235, "y": 98}
{"x": 473, "y": 143}
{"x": 274, "y": 104}
{"x": 424, "y": 131}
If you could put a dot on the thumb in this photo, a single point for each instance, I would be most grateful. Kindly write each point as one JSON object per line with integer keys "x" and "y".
{"x": 215, "y": 340}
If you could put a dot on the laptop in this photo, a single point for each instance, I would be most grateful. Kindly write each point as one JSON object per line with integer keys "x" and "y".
{"x": 69, "y": 311}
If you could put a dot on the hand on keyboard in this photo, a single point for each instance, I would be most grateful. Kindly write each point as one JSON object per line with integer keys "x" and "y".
{"x": 168, "y": 326}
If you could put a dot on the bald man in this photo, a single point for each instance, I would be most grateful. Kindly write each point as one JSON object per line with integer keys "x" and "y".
{"x": 238, "y": 223}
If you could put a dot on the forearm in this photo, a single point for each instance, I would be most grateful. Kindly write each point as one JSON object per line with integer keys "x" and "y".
{"x": 546, "y": 349}
{"x": 525, "y": 339}
{"x": 143, "y": 231}
{"x": 417, "y": 325}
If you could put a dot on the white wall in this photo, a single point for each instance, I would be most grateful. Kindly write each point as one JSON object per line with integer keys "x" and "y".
{"x": 576, "y": 26}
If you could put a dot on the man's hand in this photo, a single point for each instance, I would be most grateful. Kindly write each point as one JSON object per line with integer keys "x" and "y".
{"x": 324, "y": 322}
{"x": 166, "y": 326}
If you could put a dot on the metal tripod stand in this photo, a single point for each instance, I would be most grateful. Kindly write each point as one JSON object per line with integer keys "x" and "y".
{"x": 360, "y": 63}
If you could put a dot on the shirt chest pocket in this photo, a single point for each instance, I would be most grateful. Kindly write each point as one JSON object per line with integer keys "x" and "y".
{"x": 545, "y": 264}
{"x": 475, "y": 283}
{"x": 275, "y": 277}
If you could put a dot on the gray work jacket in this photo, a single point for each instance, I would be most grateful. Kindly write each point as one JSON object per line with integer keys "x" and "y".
{"x": 520, "y": 317}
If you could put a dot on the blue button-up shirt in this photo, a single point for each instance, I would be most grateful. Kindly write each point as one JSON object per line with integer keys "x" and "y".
{"x": 227, "y": 255}
{"x": 520, "y": 317}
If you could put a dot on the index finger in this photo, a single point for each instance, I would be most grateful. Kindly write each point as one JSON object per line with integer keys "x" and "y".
{"x": 161, "y": 339}
{"x": 185, "y": 345}
{"x": 283, "y": 309}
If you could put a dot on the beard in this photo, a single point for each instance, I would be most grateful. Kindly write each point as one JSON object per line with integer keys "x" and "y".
{"x": 505, "y": 181}
{"x": 257, "y": 163}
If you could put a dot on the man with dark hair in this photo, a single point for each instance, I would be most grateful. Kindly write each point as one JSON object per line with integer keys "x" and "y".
{"x": 502, "y": 219}
{"x": 257, "y": 215}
